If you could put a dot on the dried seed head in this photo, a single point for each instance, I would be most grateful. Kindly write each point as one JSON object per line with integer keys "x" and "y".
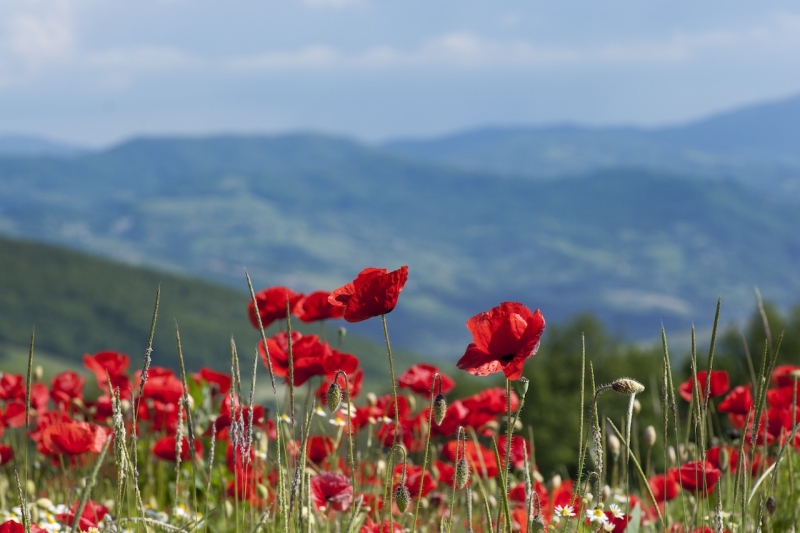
{"x": 649, "y": 436}
{"x": 537, "y": 525}
{"x": 613, "y": 445}
{"x": 439, "y": 409}
{"x": 627, "y": 386}
{"x": 402, "y": 498}
{"x": 334, "y": 397}
{"x": 771, "y": 505}
{"x": 462, "y": 473}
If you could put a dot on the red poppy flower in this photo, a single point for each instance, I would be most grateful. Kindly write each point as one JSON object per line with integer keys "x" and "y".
{"x": 664, "y": 486}
{"x": 316, "y": 306}
{"x": 719, "y": 385}
{"x": 6, "y": 454}
{"x": 420, "y": 377}
{"x": 163, "y": 417}
{"x": 40, "y": 397}
{"x": 220, "y": 380}
{"x": 162, "y": 385}
{"x": 739, "y": 401}
{"x": 331, "y": 489}
{"x": 272, "y": 305}
{"x": 503, "y": 338}
{"x": 66, "y": 386}
{"x": 318, "y": 448}
{"x": 619, "y": 523}
{"x": 165, "y": 448}
{"x": 374, "y": 292}
{"x": 519, "y": 494}
{"x": 11, "y": 526}
{"x": 243, "y": 487}
{"x": 12, "y": 387}
{"x": 698, "y": 477}
{"x": 93, "y": 513}
{"x": 311, "y": 357}
{"x": 783, "y": 375}
{"x": 414, "y": 479}
{"x": 14, "y": 415}
{"x": 519, "y": 447}
{"x": 74, "y": 438}
{"x": 111, "y": 363}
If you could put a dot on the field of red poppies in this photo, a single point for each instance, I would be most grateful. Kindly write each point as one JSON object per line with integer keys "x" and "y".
{"x": 156, "y": 449}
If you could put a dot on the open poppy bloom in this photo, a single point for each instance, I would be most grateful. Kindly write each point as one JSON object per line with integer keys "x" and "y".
{"x": 664, "y": 486}
{"x": 220, "y": 380}
{"x": 739, "y": 401}
{"x": 331, "y": 489}
{"x": 698, "y": 477}
{"x": 74, "y": 438}
{"x": 503, "y": 338}
{"x": 165, "y": 448}
{"x": 272, "y": 305}
{"x": 66, "y": 386}
{"x": 374, "y": 292}
{"x": 719, "y": 385}
{"x": 106, "y": 363}
{"x": 93, "y": 513}
{"x": 420, "y": 377}
{"x": 11, "y": 526}
{"x": 316, "y": 306}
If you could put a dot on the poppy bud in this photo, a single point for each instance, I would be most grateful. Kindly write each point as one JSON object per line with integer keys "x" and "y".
{"x": 439, "y": 409}
{"x": 38, "y": 373}
{"x": 462, "y": 473}
{"x": 342, "y": 333}
{"x": 537, "y": 525}
{"x": 523, "y": 385}
{"x": 334, "y": 397}
{"x": 673, "y": 458}
{"x": 372, "y": 399}
{"x": 771, "y": 505}
{"x": 627, "y": 386}
{"x": 402, "y": 498}
{"x": 555, "y": 481}
{"x": 637, "y": 407}
{"x": 649, "y": 436}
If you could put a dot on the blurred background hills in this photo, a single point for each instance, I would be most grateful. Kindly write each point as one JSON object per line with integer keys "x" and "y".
{"x": 639, "y": 226}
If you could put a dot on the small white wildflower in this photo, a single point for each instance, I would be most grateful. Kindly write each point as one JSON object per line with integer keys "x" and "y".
{"x": 320, "y": 411}
{"x": 616, "y": 511}
{"x": 565, "y": 510}
{"x": 343, "y": 410}
{"x": 338, "y": 422}
{"x": 597, "y": 515}
{"x": 285, "y": 418}
{"x": 609, "y": 527}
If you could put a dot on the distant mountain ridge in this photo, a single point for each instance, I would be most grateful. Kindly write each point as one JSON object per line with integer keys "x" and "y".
{"x": 309, "y": 211}
{"x": 31, "y": 145}
{"x": 758, "y": 145}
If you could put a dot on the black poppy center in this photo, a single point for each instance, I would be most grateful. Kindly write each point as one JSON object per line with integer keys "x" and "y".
{"x": 508, "y": 358}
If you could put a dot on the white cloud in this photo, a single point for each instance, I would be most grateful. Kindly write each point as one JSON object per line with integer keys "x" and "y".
{"x": 40, "y": 32}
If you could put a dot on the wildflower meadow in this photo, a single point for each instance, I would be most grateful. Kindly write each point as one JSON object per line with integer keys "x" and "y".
{"x": 162, "y": 447}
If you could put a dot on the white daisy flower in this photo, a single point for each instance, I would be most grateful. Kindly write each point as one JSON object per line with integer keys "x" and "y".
{"x": 597, "y": 515}
{"x": 616, "y": 511}
{"x": 565, "y": 511}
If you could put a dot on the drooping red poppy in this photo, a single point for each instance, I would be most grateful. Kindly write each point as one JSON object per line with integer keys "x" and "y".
{"x": 165, "y": 448}
{"x": 93, "y": 513}
{"x": 66, "y": 386}
{"x": 664, "y": 486}
{"x": 316, "y": 306}
{"x": 6, "y": 454}
{"x": 374, "y": 292}
{"x": 10, "y": 526}
{"x": 331, "y": 489}
{"x": 219, "y": 380}
{"x": 419, "y": 378}
{"x": 720, "y": 383}
{"x": 272, "y": 305}
{"x": 738, "y": 401}
{"x": 698, "y": 477}
{"x": 503, "y": 339}
{"x": 74, "y": 438}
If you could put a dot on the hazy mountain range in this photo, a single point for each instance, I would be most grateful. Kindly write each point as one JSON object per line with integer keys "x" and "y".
{"x": 639, "y": 226}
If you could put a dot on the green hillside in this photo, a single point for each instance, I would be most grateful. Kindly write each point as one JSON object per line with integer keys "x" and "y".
{"x": 82, "y": 304}
{"x": 636, "y": 247}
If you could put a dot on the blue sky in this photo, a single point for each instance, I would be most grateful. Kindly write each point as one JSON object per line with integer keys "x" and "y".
{"x": 95, "y": 72}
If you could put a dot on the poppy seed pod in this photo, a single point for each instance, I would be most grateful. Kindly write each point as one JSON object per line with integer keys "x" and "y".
{"x": 402, "y": 498}
{"x": 439, "y": 409}
{"x": 613, "y": 445}
{"x": 649, "y": 436}
{"x": 334, "y": 397}
{"x": 462, "y": 473}
{"x": 771, "y": 505}
{"x": 627, "y": 386}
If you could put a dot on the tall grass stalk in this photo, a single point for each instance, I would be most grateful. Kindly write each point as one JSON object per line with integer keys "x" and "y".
{"x": 261, "y": 331}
